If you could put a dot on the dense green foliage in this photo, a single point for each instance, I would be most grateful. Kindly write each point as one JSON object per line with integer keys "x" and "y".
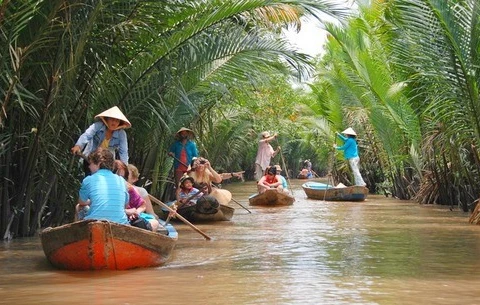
{"x": 405, "y": 74}
{"x": 166, "y": 64}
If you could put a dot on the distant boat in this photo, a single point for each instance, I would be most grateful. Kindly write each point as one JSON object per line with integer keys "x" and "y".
{"x": 317, "y": 190}
{"x": 100, "y": 244}
{"x": 272, "y": 198}
{"x": 222, "y": 213}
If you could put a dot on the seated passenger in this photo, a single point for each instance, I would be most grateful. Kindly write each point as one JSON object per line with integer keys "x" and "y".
{"x": 135, "y": 209}
{"x": 103, "y": 195}
{"x": 284, "y": 181}
{"x": 270, "y": 181}
{"x": 133, "y": 176}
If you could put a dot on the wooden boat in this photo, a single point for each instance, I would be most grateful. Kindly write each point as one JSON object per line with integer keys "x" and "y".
{"x": 271, "y": 198}
{"x": 96, "y": 245}
{"x": 317, "y": 190}
{"x": 224, "y": 213}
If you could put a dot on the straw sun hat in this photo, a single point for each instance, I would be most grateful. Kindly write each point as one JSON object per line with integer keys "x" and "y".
{"x": 265, "y": 134}
{"x": 184, "y": 129}
{"x": 349, "y": 131}
{"x": 115, "y": 113}
{"x": 191, "y": 133}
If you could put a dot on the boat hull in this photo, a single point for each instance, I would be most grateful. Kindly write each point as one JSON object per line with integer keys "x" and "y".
{"x": 271, "y": 198}
{"x": 224, "y": 213}
{"x": 100, "y": 245}
{"x": 317, "y": 190}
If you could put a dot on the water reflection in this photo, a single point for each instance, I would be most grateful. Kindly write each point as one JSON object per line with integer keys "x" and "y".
{"x": 382, "y": 251}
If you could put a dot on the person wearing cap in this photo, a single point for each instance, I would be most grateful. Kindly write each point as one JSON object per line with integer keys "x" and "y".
{"x": 188, "y": 194}
{"x": 264, "y": 154}
{"x": 108, "y": 132}
{"x": 284, "y": 181}
{"x": 350, "y": 150}
{"x": 183, "y": 150}
{"x": 187, "y": 197}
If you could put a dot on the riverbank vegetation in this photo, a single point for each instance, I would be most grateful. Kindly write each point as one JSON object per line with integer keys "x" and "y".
{"x": 402, "y": 73}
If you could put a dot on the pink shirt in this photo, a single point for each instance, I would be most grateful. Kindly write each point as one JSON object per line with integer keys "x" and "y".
{"x": 264, "y": 154}
{"x": 136, "y": 200}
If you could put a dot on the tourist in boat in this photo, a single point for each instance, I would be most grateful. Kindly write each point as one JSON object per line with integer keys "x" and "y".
{"x": 270, "y": 181}
{"x": 136, "y": 207}
{"x": 102, "y": 195}
{"x": 108, "y": 132}
{"x": 350, "y": 150}
{"x": 308, "y": 166}
{"x": 282, "y": 178}
{"x": 205, "y": 176}
{"x": 133, "y": 176}
{"x": 264, "y": 154}
{"x": 187, "y": 197}
{"x": 183, "y": 150}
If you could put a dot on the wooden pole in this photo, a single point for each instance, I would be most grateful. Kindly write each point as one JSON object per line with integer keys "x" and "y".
{"x": 179, "y": 216}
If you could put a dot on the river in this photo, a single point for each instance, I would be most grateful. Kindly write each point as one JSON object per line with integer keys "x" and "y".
{"x": 381, "y": 251}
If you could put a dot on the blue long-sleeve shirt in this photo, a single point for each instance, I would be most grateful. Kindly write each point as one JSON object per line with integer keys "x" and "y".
{"x": 350, "y": 148}
{"x": 190, "y": 148}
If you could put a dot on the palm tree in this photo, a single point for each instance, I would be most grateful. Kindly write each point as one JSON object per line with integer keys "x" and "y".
{"x": 363, "y": 91}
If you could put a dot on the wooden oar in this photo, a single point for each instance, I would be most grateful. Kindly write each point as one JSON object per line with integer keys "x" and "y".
{"x": 286, "y": 170}
{"x": 178, "y": 160}
{"x": 179, "y": 216}
{"x": 330, "y": 167}
{"x": 82, "y": 156}
{"x": 235, "y": 201}
{"x": 241, "y": 206}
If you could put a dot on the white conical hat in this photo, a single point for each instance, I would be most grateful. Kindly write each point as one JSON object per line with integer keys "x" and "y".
{"x": 115, "y": 113}
{"x": 349, "y": 131}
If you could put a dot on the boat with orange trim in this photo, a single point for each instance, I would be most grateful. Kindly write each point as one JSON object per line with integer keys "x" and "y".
{"x": 105, "y": 245}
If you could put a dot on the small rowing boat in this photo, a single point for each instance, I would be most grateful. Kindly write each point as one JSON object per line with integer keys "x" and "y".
{"x": 271, "y": 197}
{"x": 193, "y": 214}
{"x": 322, "y": 191}
{"x": 100, "y": 244}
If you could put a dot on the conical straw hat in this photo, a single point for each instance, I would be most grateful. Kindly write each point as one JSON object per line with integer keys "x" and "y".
{"x": 115, "y": 113}
{"x": 223, "y": 196}
{"x": 349, "y": 131}
{"x": 184, "y": 129}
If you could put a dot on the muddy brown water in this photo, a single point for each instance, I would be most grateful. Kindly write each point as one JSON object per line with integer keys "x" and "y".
{"x": 381, "y": 251}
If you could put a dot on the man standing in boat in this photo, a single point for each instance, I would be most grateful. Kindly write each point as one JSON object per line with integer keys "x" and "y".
{"x": 183, "y": 150}
{"x": 350, "y": 150}
{"x": 264, "y": 154}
